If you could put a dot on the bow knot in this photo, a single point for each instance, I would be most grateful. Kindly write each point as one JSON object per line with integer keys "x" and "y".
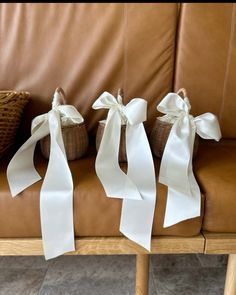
{"x": 68, "y": 115}
{"x": 121, "y": 109}
{"x": 133, "y": 113}
{"x": 176, "y": 109}
{"x": 173, "y": 105}
{"x": 108, "y": 101}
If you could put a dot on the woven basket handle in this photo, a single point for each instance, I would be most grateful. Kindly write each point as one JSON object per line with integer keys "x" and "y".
{"x": 58, "y": 98}
{"x": 182, "y": 92}
{"x": 121, "y": 92}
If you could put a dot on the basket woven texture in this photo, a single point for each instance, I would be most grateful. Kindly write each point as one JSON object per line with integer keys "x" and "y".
{"x": 75, "y": 138}
{"x": 160, "y": 133}
{"x": 12, "y": 104}
{"x": 122, "y": 150}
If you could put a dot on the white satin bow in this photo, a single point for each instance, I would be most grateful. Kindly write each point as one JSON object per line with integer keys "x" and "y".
{"x": 138, "y": 186}
{"x": 56, "y": 195}
{"x": 184, "y": 197}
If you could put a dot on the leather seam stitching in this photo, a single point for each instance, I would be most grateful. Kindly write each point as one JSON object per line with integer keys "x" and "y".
{"x": 230, "y": 48}
{"x": 125, "y": 53}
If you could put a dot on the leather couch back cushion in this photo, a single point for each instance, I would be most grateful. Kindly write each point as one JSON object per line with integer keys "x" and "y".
{"x": 206, "y": 60}
{"x": 87, "y": 48}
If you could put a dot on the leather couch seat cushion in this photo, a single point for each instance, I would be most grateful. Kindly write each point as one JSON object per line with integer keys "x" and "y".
{"x": 215, "y": 169}
{"x": 94, "y": 213}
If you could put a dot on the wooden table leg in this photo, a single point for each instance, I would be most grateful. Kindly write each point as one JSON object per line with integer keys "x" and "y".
{"x": 230, "y": 280}
{"x": 142, "y": 274}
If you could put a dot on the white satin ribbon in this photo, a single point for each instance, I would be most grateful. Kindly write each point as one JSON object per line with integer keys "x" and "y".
{"x": 56, "y": 195}
{"x": 184, "y": 197}
{"x": 138, "y": 186}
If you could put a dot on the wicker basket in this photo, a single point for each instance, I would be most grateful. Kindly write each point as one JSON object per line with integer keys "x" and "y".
{"x": 75, "y": 137}
{"x": 160, "y": 133}
{"x": 12, "y": 104}
{"x": 122, "y": 150}
{"x": 75, "y": 140}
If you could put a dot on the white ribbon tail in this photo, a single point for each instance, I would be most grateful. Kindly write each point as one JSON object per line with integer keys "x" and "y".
{"x": 183, "y": 197}
{"x": 115, "y": 182}
{"x": 21, "y": 172}
{"x": 137, "y": 215}
{"x": 181, "y": 205}
{"x": 56, "y": 197}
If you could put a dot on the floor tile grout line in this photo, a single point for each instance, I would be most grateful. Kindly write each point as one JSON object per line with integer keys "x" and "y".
{"x": 44, "y": 278}
{"x": 200, "y": 261}
{"x": 152, "y": 277}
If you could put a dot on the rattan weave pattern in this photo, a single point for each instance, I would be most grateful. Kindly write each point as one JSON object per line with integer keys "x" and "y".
{"x": 75, "y": 138}
{"x": 12, "y": 105}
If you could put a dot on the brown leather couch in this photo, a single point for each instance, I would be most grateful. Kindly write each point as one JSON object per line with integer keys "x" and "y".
{"x": 148, "y": 49}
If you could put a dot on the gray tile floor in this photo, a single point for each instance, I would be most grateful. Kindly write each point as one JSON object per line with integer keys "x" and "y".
{"x": 188, "y": 274}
